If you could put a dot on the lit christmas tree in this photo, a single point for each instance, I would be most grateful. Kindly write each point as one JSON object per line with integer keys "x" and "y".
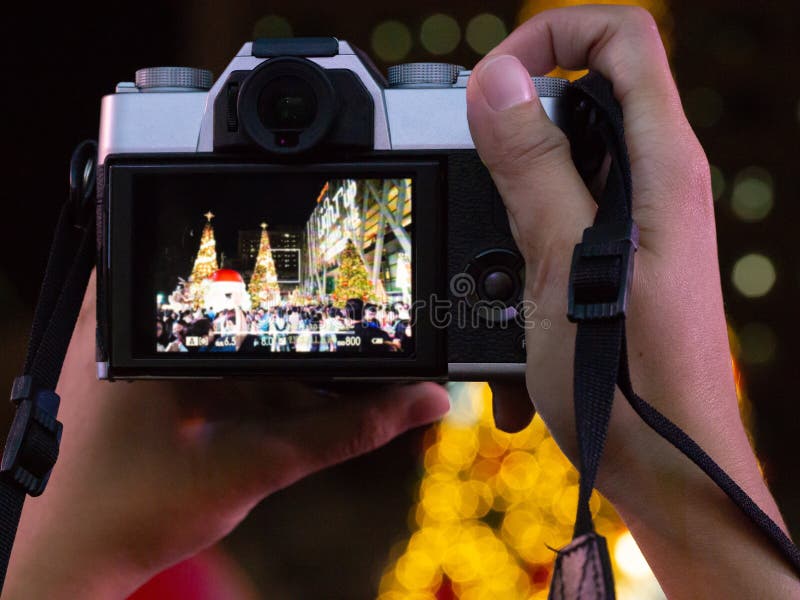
{"x": 352, "y": 280}
{"x": 263, "y": 287}
{"x": 206, "y": 262}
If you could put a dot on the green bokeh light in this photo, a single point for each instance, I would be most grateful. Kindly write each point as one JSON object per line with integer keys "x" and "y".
{"x": 484, "y": 32}
{"x": 753, "y": 275}
{"x": 758, "y": 343}
{"x": 391, "y": 41}
{"x": 752, "y": 198}
{"x": 272, "y": 26}
{"x": 440, "y": 34}
{"x": 717, "y": 182}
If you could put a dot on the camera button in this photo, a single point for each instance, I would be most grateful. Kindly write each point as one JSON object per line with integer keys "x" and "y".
{"x": 498, "y": 285}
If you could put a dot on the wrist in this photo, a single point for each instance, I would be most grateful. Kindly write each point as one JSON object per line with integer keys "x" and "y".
{"x": 686, "y": 525}
{"x": 49, "y": 561}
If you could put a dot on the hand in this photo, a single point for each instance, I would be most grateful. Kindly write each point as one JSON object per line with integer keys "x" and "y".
{"x": 152, "y": 472}
{"x": 676, "y": 329}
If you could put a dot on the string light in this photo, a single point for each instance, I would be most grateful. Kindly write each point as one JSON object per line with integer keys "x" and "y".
{"x": 484, "y": 32}
{"x": 490, "y": 507}
{"x": 272, "y": 26}
{"x": 717, "y": 182}
{"x": 391, "y": 41}
{"x": 440, "y": 34}
{"x": 758, "y": 343}
{"x": 753, "y": 275}
{"x": 751, "y": 199}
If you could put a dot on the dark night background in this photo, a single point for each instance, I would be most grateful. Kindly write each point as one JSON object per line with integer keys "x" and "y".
{"x": 329, "y": 536}
{"x": 171, "y": 211}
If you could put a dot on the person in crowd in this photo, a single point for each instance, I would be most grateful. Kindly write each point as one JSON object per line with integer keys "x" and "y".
{"x": 162, "y": 339}
{"x": 371, "y": 339}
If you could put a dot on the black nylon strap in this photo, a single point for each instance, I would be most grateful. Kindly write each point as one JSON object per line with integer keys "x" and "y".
{"x": 689, "y": 448}
{"x": 601, "y": 273}
{"x": 32, "y": 445}
{"x": 12, "y": 498}
{"x": 597, "y": 353}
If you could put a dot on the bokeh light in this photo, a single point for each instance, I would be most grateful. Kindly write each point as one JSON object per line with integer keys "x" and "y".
{"x": 629, "y": 557}
{"x": 484, "y": 32}
{"x": 717, "y": 182}
{"x": 272, "y": 26}
{"x": 757, "y": 343}
{"x": 752, "y": 197}
{"x": 440, "y": 34}
{"x": 753, "y": 275}
{"x": 491, "y": 506}
{"x": 391, "y": 41}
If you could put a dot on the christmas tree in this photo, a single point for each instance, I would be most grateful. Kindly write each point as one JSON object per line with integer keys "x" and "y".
{"x": 206, "y": 262}
{"x": 263, "y": 287}
{"x": 352, "y": 280}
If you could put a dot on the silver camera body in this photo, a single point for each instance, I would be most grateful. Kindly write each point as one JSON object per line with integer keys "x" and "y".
{"x": 422, "y": 108}
{"x": 333, "y": 112}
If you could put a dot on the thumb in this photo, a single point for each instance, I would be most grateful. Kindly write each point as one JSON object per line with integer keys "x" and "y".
{"x": 528, "y": 157}
{"x": 265, "y": 455}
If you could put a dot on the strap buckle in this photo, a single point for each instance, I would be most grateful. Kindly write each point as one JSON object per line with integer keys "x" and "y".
{"x": 32, "y": 445}
{"x": 602, "y": 270}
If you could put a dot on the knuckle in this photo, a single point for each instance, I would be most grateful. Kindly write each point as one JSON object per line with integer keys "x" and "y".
{"x": 525, "y": 148}
{"x": 640, "y": 19}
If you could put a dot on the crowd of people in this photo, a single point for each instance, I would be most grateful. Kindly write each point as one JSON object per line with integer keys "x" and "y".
{"x": 314, "y": 327}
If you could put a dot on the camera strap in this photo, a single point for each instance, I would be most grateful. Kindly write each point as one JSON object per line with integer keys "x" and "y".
{"x": 32, "y": 444}
{"x": 600, "y": 281}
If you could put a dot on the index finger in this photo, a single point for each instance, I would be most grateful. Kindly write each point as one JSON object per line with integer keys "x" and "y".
{"x": 621, "y": 42}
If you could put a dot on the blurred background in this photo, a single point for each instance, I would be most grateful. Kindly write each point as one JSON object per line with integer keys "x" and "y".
{"x": 459, "y": 510}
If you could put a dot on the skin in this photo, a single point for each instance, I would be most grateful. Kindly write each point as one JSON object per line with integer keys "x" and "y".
{"x": 153, "y": 472}
{"x": 678, "y": 346}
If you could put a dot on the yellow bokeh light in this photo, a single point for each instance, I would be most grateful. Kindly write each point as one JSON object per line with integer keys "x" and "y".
{"x": 492, "y": 506}
{"x": 629, "y": 558}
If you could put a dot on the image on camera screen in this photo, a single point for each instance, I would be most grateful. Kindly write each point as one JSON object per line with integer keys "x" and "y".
{"x": 283, "y": 264}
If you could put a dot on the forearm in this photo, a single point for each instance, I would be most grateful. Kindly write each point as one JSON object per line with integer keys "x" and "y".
{"x": 51, "y": 561}
{"x": 696, "y": 540}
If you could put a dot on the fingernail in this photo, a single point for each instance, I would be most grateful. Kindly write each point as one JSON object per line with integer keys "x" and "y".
{"x": 505, "y": 82}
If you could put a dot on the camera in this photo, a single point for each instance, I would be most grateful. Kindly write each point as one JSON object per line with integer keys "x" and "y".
{"x": 305, "y": 217}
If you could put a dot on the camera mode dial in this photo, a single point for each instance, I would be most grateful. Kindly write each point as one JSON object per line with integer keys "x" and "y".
{"x": 423, "y": 75}
{"x": 174, "y": 78}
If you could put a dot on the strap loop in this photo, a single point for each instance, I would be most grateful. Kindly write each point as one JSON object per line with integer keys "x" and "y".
{"x": 602, "y": 270}
{"x": 32, "y": 444}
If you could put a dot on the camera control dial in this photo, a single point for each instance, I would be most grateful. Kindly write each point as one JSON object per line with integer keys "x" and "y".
{"x": 174, "y": 78}
{"x": 416, "y": 75}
